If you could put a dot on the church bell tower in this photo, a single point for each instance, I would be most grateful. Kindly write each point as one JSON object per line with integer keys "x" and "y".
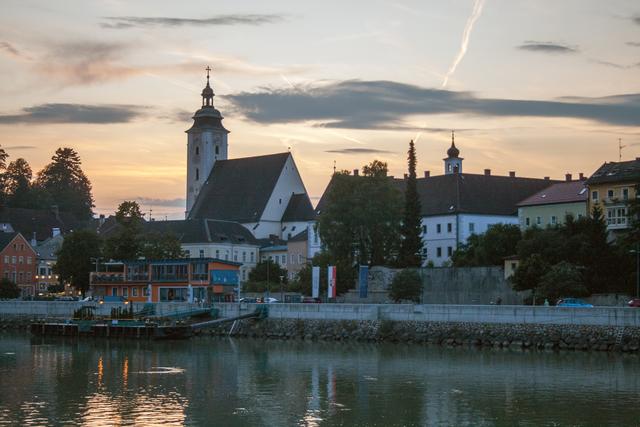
{"x": 453, "y": 161}
{"x": 206, "y": 143}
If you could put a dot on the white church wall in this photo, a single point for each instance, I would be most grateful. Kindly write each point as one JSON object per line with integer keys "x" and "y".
{"x": 288, "y": 183}
{"x": 478, "y": 224}
{"x": 290, "y": 229}
{"x": 199, "y": 165}
{"x": 440, "y": 237}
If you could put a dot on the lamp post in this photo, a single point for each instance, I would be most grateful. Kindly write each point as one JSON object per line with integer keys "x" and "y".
{"x": 281, "y": 290}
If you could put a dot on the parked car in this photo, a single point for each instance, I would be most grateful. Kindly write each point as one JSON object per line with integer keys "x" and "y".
{"x": 311, "y": 300}
{"x": 634, "y": 302}
{"x": 270, "y": 300}
{"x": 249, "y": 300}
{"x": 572, "y": 302}
{"x": 110, "y": 298}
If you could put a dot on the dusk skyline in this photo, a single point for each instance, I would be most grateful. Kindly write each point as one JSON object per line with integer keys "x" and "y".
{"x": 540, "y": 88}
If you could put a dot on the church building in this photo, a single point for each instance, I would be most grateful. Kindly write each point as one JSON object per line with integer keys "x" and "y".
{"x": 263, "y": 193}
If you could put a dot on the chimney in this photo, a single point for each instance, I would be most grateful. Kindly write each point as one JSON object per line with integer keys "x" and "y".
{"x": 34, "y": 241}
{"x": 512, "y": 174}
{"x": 427, "y": 174}
{"x": 546, "y": 178}
{"x": 356, "y": 172}
{"x": 487, "y": 172}
{"x": 55, "y": 231}
{"x": 581, "y": 177}
{"x": 406, "y": 176}
{"x": 567, "y": 177}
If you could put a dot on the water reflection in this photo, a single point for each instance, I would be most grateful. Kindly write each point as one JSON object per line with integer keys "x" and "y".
{"x": 223, "y": 382}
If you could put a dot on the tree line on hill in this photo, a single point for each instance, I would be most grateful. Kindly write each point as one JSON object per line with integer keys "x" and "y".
{"x": 61, "y": 182}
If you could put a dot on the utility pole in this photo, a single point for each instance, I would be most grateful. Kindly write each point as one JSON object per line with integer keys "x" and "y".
{"x": 620, "y": 147}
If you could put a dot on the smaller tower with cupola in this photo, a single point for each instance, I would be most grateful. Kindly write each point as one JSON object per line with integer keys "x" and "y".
{"x": 453, "y": 161}
{"x": 206, "y": 143}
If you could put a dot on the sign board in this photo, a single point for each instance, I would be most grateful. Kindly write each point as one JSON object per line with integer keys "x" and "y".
{"x": 224, "y": 277}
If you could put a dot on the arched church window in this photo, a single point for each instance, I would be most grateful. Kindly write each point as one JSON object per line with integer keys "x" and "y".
{"x": 197, "y": 174}
{"x": 197, "y": 150}
{"x": 217, "y": 149}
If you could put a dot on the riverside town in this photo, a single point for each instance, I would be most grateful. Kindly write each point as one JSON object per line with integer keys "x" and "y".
{"x": 243, "y": 215}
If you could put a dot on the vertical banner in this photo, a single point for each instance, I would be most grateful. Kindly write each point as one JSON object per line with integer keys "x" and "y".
{"x": 149, "y": 291}
{"x": 331, "y": 281}
{"x": 315, "y": 282}
{"x": 363, "y": 281}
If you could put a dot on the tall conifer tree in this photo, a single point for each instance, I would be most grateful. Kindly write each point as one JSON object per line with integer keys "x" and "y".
{"x": 411, "y": 246}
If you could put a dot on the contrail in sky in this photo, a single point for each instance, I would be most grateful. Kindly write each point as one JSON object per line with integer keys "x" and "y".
{"x": 475, "y": 14}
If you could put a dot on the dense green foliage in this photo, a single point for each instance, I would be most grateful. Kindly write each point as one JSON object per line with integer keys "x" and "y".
{"x": 62, "y": 183}
{"x": 411, "y": 245}
{"x": 489, "y": 248}
{"x": 406, "y": 286}
{"x": 572, "y": 259}
{"x": 360, "y": 224}
{"x": 8, "y": 289}
{"x": 74, "y": 258}
{"x": 268, "y": 271}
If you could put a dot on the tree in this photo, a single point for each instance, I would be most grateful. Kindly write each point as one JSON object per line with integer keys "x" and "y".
{"x": 361, "y": 220}
{"x": 268, "y": 270}
{"x": 17, "y": 182}
{"x": 126, "y": 243}
{"x": 406, "y": 286}
{"x": 160, "y": 246}
{"x": 411, "y": 244}
{"x": 8, "y": 289}
{"x": 562, "y": 280}
{"x": 66, "y": 184}
{"x": 489, "y": 248}
{"x": 74, "y": 258}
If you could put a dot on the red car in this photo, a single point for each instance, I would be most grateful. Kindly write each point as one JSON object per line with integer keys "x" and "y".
{"x": 634, "y": 302}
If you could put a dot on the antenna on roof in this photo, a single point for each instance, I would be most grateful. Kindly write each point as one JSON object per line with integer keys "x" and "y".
{"x": 334, "y": 167}
{"x": 150, "y": 211}
{"x": 620, "y": 147}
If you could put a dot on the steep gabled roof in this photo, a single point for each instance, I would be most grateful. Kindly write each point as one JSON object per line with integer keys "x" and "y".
{"x": 298, "y": 209}
{"x": 466, "y": 193}
{"x": 561, "y": 192}
{"x": 239, "y": 189}
{"x": 628, "y": 171}
{"x": 6, "y": 238}
{"x": 302, "y": 236}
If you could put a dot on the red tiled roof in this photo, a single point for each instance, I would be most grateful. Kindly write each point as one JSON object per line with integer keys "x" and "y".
{"x": 562, "y": 192}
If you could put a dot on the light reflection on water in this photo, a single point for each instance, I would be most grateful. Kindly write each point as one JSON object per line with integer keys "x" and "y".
{"x": 209, "y": 381}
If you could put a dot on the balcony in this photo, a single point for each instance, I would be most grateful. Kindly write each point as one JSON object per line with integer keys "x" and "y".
{"x": 106, "y": 278}
{"x": 617, "y": 218}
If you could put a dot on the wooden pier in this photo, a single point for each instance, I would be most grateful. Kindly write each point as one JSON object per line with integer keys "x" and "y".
{"x": 121, "y": 329}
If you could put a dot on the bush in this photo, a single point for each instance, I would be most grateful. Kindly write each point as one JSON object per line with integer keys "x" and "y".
{"x": 8, "y": 289}
{"x": 406, "y": 286}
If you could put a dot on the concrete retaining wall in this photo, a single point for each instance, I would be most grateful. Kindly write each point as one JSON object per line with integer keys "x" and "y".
{"x": 65, "y": 309}
{"x": 502, "y": 314}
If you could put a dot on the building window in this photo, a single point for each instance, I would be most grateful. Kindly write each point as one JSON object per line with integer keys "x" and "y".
{"x": 449, "y": 251}
{"x": 244, "y": 256}
{"x": 201, "y": 253}
{"x": 538, "y": 220}
{"x": 145, "y": 291}
{"x": 449, "y": 227}
{"x": 187, "y": 253}
{"x": 527, "y": 221}
{"x": 28, "y": 260}
{"x": 610, "y": 194}
{"x": 439, "y": 252}
{"x": 424, "y": 229}
{"x": 28, "y": 277}
{"x": 284, "y": 259}
{"x": 14, "y": 259}
{"x": 617, "y": 217}
{"x": 235, "y": 256}
{"x": 438, "y": 228}
{"x": 197, "y": 174}
{"x": 6, "y": 259}
{"x": 114, "y": 292}
{"x": 625, "y": 193}
{"x": 21, "y": 277}
{"x": 594, "y": 196}
{"x": 252, "y": 255}
{"x": 472, "y": 227}
{"x": 197, "y": 150}
{"x": 217, "y": 149}
{"x": 125, "y": 292}
{"x": 20, "y": 260}
{"x": 134, "y": 292}
{"x": 244, "y": 275}
{"x": 218, "y": 253}
{"x": 554, "y": 220}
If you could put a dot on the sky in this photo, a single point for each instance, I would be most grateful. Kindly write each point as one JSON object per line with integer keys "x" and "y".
{"x": 543, "y": 88}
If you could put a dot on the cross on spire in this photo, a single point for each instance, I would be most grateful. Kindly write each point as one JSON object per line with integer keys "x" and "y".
{"x": 208, "y": 69}
{"x": 453, "y": 138}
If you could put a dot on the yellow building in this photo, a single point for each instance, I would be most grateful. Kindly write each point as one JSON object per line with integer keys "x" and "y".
{"x": 610, "y": 188}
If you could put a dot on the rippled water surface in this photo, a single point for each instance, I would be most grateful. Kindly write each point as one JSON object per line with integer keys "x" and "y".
{"x": 224, "y": 382}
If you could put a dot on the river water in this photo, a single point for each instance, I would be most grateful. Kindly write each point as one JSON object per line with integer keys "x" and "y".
{"x": 242, "y": 382}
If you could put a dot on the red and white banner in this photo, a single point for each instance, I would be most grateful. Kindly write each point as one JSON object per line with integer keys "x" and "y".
{"x": 331, "y": 281}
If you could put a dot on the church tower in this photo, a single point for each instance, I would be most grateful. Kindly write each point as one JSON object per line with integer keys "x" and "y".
{"x": 453, "y": 163}
{"x": 206, "y": 143}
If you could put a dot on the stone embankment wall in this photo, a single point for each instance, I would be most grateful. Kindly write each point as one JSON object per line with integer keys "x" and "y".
{"x": 526, "y": 336}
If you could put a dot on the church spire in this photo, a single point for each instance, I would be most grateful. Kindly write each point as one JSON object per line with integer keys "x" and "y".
{"x": 453, "y": 161}
{"x": 207, "y": 92}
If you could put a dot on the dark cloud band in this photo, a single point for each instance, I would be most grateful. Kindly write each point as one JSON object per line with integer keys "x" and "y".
{"x": 74, "y": 113}
{"x": 357, "y": 151}
{"x": 547, "y": 47}
{"x": 359, "y": 104}
{"x": 120, "y": 22}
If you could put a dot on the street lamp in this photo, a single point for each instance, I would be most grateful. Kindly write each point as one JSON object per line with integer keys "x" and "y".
{"x": 281, "y": 291}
